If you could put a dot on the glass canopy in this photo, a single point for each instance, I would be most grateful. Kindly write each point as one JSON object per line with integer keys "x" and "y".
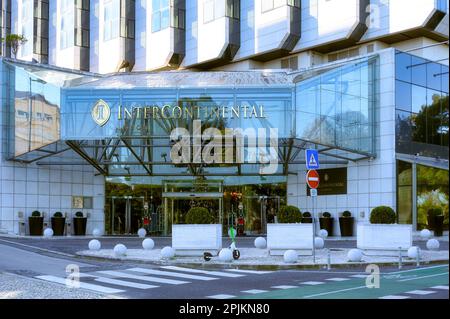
{"x": 121, "y": 123}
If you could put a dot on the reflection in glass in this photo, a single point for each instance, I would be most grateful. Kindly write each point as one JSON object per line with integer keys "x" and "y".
{"x": 432, "y": 192}
{"x": 404, "y": 192}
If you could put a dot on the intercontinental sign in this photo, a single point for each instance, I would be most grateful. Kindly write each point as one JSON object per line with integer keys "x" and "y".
{"x": 101, "y": 112}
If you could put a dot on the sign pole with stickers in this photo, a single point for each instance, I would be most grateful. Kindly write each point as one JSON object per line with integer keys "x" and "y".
{"x": 312, "y": 180}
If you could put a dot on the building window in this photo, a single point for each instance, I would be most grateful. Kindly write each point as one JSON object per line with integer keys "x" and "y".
{"x": 216, "y": 9}
{"x": 111, "y": 20}
{"x": 82, "y": 202}
{"x": 268, "y": 5}
{"x": 421, "y": 106}
{"x": 67, "y": 24}
{"x": 81, "y": 30}
{"x": 160, "y": 15}
{"x": 290, "y": 63}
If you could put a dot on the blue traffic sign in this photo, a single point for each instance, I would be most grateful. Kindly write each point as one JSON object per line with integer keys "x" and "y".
{"x": 312, "y": 159}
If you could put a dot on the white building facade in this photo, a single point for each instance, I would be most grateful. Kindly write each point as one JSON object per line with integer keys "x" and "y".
{"x": 399, "y": 88}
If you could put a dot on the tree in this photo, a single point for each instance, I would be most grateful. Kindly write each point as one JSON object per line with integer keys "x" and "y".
{"x": 14, "y": 41}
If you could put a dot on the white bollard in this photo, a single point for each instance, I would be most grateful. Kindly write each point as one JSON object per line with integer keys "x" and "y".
{"x": 290, "y": 256}
{"x": 323, "y": 233}
{"x": 425, "y": 234}
{"x": 94, "y": 244}
{"x": 225, "y": 255}
{"x": 48, "y": 233}
{"x": 319, "y": 243}
{"x": 96, "y": 232}
{"x": 355, "y": 255}
{"x": 413, "y": 252}
{"x": 260, "y": 243}
{"x": 148, "y": 244}
{"x": 433, "y": 244}
{"x": 141, "y": 232}
{"x": 167, "y": 252}
{"x": 120, "y": 250}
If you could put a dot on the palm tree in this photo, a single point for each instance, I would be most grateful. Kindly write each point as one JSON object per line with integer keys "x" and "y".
{"x": 14, "y": 41}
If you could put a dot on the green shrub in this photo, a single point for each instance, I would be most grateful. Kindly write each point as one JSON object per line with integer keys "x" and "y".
{"x": 289, "y": 214}
{"x": 307, "y": 214}
{"x": 382, "y": 215}
{"x": 326, "y": 215}
{"x": 58, "y": 215}
{"x": 36, "y": 213}
{"x": 346, "y": 214}
{"x": 199, "y": 215}
{"x": 435, "y": 212}
{"x": 79, "y": 214}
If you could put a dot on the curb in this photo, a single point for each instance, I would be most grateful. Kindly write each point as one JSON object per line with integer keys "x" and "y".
{"x": 219, "y": 266}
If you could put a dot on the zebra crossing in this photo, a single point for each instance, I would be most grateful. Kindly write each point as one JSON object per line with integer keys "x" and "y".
{"x": 121, "y": 280}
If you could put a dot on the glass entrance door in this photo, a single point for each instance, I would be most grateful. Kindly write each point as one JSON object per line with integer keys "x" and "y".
{"x": 258, "y": 211}
{"x": 126, "y": 215}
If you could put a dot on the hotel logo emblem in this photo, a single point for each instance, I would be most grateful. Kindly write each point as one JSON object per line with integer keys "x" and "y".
{"x": 101, "y": 112}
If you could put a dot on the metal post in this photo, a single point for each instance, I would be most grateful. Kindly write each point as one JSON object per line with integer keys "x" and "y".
{"x": 313, "y": 231}
{"x": 418, "y": 258}
{"x": 328, "y": 259}
{"x": 400, "y": 261}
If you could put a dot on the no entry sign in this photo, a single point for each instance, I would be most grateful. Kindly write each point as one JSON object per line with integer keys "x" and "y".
{"x": 312, "y": 179}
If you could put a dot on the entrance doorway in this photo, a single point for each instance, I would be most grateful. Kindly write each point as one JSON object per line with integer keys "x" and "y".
{"x": 258, "y": 211}
{"x": 126, "y": 215}
{"x": 180, "y": 196}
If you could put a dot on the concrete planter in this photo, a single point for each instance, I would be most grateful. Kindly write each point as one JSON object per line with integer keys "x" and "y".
{"x": 282, "y": 237}
{"x": 384, "y": 236}
{"x": 195, "y": 239}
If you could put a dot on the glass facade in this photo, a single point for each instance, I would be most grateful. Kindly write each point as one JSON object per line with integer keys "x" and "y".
{"x": 337, "y": 107}
{"x": 422, "y": 114}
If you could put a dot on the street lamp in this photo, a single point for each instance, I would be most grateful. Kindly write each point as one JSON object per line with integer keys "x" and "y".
{"x": 30, "y": 109}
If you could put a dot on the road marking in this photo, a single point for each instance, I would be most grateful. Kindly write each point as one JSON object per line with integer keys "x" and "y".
{"x": 143, "y": 278}
{"x": 83, "y": 285}
{"x": 415, "y": 278}
{"x": 440, "y": 287}
{"x": 124, "y": 283}
{"x": 170, "y": 274}
{"x": 284, "y": 287}
{"x": 38, "y": 248}
{"x": 409, "y": 270}
{"x": 254, "y": 291}
{"x": 359, "y": 276}
{"x": 420, "y": 292}
{"x": 245, "y": 271}
{"x": 221, "y": 296}
{"x": 335, "y": 291}
{"x": 338, "y": 279}
{"x": 394, "y": 297}
{"x": 312, "y": 283}
{"x": 198, "y": 271}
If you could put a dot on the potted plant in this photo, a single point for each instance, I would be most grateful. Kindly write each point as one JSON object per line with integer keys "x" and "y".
{"x": 58, "y": 223}
{"x": 79, "y": 224}
{"x": 382, "y": 233}
{"x": 435, "y": 219}
{"x": 326, "y": 222}
{"x": 200, "y": 234}
{"x": 306, "y": 218}
{"x": 289, "y": 233}
{"x": 36, "y": 223}
{"x": 346, "y": 222}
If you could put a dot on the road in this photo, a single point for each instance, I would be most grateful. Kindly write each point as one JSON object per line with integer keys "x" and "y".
{"x": 41, "y": 261}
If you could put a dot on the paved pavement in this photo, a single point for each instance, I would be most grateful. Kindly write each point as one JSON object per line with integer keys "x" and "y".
{"x": 137, "y": 280}
{"x": 71, "y": 245}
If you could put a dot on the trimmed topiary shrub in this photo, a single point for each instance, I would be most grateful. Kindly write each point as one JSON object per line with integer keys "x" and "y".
{"x": 307, "y": 214}
{"x": 36, "y": 213}
{"x": 58, "y": 215}
{"x": 326, "y": 215}
{"x": 346, "y": 214}
{"x": 289, "y": 214}
{"x": 79, "y": 214}
{"x": 199, "y": 215}
{"x": 382, "y": 215}
{"x": 435, "y": 212}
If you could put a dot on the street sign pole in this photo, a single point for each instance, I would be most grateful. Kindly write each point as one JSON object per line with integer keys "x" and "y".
{"x": 313, "y": 223}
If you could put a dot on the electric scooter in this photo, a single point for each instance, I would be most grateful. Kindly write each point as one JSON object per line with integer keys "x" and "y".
{"x": 207, "y": 256}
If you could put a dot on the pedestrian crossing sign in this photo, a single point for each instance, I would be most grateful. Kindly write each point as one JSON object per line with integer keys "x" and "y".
{"x": 312, "y": 159}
